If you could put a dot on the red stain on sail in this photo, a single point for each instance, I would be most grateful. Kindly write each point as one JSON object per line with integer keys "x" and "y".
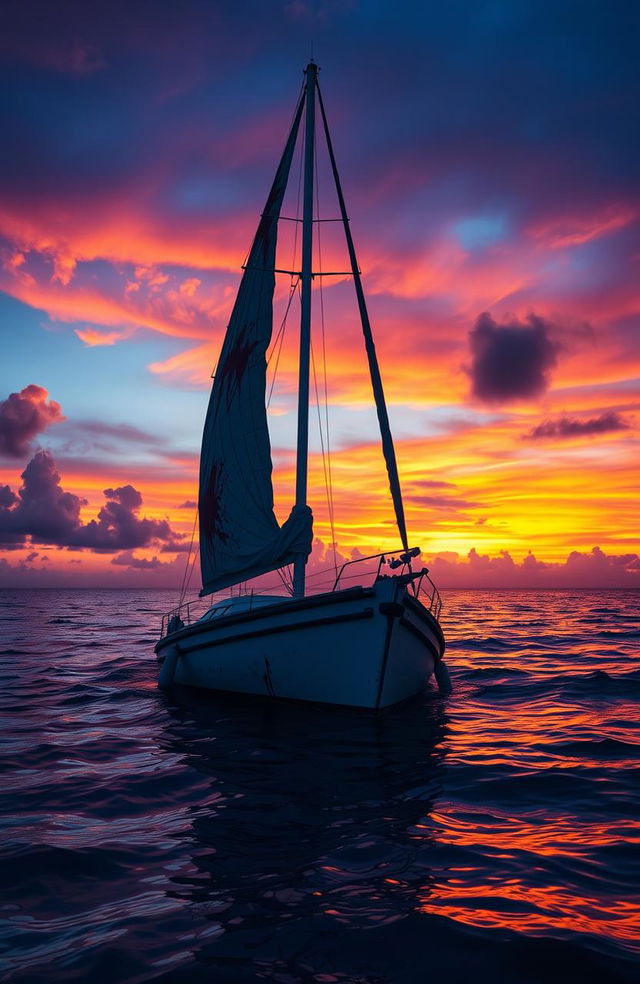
{"x": 210, "y": 508}
{"x": 236, "y": 362}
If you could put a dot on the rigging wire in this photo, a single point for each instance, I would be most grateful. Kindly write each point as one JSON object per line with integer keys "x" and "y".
{"x": 284, "y": 573}
{"x": 285, "y": 577}
{"x": 301, "y": 97}
{"x": 293, "y": 286}
{"x": 374, "y": 367}
{"x": 297, "y": 222}
{"x": 185, "y": 580}
{"x": 326, "y": 461}
{"x": 196, "y": 554}
{"x": 279, "y": 341}
{"x": 277, "y": 345}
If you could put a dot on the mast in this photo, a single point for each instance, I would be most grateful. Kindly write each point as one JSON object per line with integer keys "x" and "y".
{"x": 305, "y": 317}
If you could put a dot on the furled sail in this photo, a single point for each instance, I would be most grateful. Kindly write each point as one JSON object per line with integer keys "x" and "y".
{"x": 239, "y": 535}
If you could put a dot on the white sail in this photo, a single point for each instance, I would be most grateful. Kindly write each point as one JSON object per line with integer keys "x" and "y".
{"x": 239, "y": 535}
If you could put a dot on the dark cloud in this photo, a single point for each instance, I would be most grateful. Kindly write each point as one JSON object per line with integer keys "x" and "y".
{"x": 512, "y": 360}
{"x": 42, "y": 510}
{"x": 22, "y": 416}
{"x": 183, "y": 547}
{"x": 569, "y": 427}
{"x": 189, "y": 504}
{"x": 44, "y": 513}
{"x": 126, "y": 495}
{"x": 119, "y": 528}
{"x": 7, "y": 497}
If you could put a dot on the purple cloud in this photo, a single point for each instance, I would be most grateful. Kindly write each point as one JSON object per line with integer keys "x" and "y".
{"x": 448, "y": 503}
{"x": 7, "y": 497}
{"x": 569, "y": 427}
{"x": 122, "y": 432}
{"x": 22, "y": 416}
{"x": 446, "y": 500}
{"x": 44, "y": 513}
{"x": 590, "y": 569}
{"x": 130, "y": 561}
{"x": 512, "y": 360}
{"x": 436, "y": 485}
{"x": 42, "y": 510}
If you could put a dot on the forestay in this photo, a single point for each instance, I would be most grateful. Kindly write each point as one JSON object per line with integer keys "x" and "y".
{"x": 239, "y": 535}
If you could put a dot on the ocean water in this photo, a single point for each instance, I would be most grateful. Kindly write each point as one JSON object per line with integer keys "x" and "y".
{"x": 195, "y": 838}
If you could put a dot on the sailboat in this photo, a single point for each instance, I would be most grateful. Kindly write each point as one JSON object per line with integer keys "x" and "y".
{"x": 370, "y": 644}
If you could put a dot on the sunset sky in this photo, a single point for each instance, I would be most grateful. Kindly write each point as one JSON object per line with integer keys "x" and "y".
{"x": 489, "y": 158}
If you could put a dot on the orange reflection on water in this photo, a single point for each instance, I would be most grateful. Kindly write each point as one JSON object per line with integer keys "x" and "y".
{"x": 560, "y": 836}
{"x": 532, "y": 909}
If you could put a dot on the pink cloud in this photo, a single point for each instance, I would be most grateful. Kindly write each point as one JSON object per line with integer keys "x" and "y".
{"x": 562, "y": 231}
{"x": 595, "y": 569}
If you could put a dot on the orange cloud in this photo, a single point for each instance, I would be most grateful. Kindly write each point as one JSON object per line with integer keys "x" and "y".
{"x": 169, "y": 312}
{"x": 92, "y": 337}
{"x": 193, "y": 366}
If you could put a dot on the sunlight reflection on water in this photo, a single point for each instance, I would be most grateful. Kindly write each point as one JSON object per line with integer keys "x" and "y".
{"x": 148, "y": 836}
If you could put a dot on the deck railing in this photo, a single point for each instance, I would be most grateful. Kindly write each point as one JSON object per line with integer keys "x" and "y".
{"x": 187, "y": 612}
{"x": 429, "y": 595}
{"x": 191, "y": 611}
{"x": 419, "y": 583}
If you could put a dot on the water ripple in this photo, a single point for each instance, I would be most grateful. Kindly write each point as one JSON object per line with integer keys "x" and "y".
{"x": 196, "y": 838}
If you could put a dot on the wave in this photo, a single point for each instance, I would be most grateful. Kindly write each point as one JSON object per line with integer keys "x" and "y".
{"x": 603, "y": 748}
{"x": 191, "y": 837}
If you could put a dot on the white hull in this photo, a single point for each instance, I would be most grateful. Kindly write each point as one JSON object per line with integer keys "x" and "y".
{"x": 363, "y": 647}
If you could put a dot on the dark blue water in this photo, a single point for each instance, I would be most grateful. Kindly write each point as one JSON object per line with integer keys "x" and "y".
{"x": 193, "y": 839}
